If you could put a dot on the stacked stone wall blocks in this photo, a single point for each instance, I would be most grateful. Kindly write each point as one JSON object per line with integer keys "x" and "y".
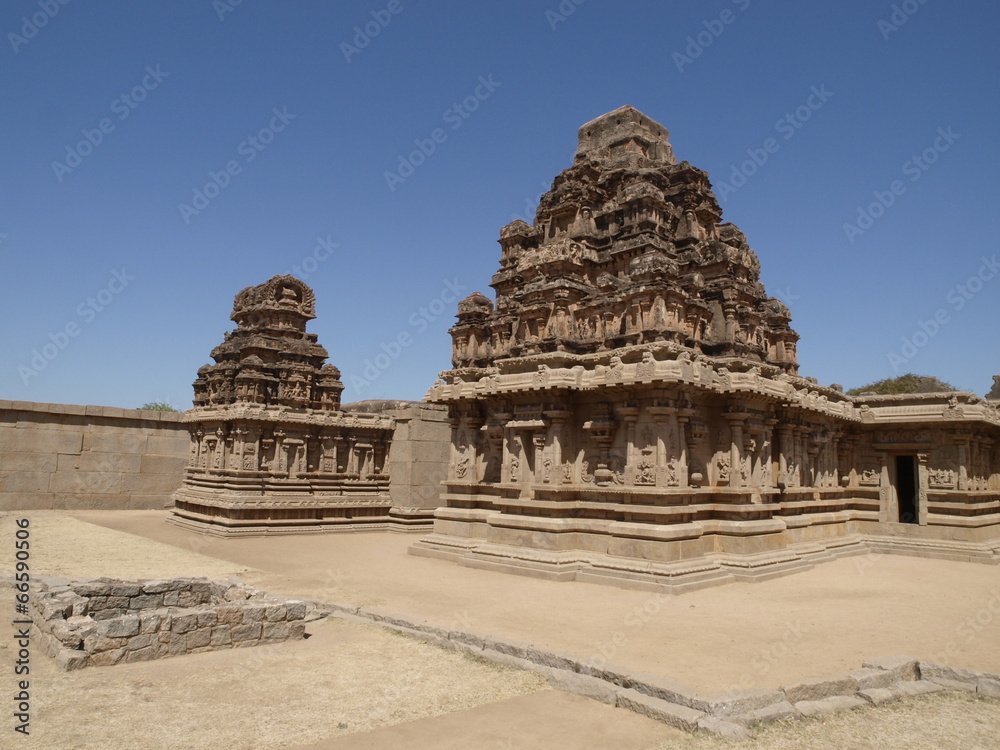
{"x": 106, "y": 621}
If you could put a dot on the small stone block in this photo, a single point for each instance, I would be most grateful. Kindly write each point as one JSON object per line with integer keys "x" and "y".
{"x": 199, "y": 638}
{"x": 960, "y": 685}
{"x": 681, "y": 717}
{"x": 146, "y": 601}
{"x": 878, "y": 696}
{"x": 738, "y": 701}
{"x": 901, "y": 667}
{"x": 137, "y": 642}
{"x": 831, "y": 705}
{"x": 774, "y": 712}
{"x": 221, "y": 635}
{"x": 276, "y": 630}
{"x": 207, "y": 619}
{"x": 68, "y": 660}
{"x": 578, "y": 684}
{"x": 931, "y": 671}
{"x": 918, "y": 687}
{"x": 871, "y": 678}
{"x": 276, "y": 613}
{"x": 142, "y": 654}
{"x": 818, "y": 688}
{"x": 107, "y": 658}
{"x": 988, "y": 688}
{"x": 184, "y": 622}
{"x": 119, "y": 627}
{"x": 722, "y": 728}
{"x": 250, "y": 631}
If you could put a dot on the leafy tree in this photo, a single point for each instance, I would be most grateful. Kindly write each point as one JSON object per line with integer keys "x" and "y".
{"x": 158, "y": 406}
{"x": 994, "y": 394}
{"x": 908, "y": 383}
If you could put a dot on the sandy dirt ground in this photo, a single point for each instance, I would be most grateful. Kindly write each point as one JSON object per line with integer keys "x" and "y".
{"x": 351, "y": 686}
{"x": 819, "y": 622}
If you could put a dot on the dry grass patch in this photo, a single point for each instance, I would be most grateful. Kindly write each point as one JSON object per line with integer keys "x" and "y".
{"x": 943, "y": 721}
{"x": 65, "y": 547}
{"x": 346, "y": 678}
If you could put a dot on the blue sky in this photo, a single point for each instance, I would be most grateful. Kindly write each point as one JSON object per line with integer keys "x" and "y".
{"x": 854, "y": 142}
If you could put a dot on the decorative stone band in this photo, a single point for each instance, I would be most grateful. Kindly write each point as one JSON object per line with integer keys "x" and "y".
{"x": 728, "y": 714}
{"x": 108, "y": 621}
{"x": 668, "y": 365}
{"x": 283, "y": 415}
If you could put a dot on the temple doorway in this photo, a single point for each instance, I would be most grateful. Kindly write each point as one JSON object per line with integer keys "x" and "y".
{"x": 907, "y": 484}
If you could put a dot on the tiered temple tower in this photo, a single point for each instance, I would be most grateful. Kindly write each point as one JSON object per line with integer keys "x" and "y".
{"x": 630, "y": 408}
{"x": 271, "y": 450}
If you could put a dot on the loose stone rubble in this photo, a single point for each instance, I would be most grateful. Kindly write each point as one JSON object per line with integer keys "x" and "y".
{"x": 630, "y": 409}
{"x": 271, "y": 449}
{"x": 105, "y": 621}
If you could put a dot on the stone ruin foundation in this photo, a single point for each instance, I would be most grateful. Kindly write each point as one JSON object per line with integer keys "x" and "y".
{"x": 107, "y": 621}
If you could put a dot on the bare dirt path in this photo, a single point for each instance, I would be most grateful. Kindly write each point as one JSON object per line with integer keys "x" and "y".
{"x": 820, "y": 622}
{"x": 352, "y": 686}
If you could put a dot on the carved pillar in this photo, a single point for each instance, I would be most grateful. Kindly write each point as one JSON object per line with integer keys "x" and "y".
{"x": 506, "y": 474}
{"x": 352, "y": 455}
{"x": 662, "y": 419}
{"x": 538, "y": 441}
{"x": 471, "y": 457}
{"x": 339, "y": 454}
{"x": 923, "y": 481}
{"x": 630, "y": 415}
{"x": 962, "y": 441}
{"x": 736, "y": 420}
{"x": 786, "y": 437}
{"x": 557, "y": 431}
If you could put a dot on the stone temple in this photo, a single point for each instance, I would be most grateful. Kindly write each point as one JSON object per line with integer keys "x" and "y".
{"x": 271, "y": 449}
{"x": 630, "y": 408}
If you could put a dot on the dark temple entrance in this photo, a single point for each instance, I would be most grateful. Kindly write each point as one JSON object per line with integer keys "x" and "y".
{"x": 906, "y": 488}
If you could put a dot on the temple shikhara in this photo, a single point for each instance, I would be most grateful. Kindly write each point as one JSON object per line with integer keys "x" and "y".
{"x": 271, "y": 449}
{"x": 630, "y": 408}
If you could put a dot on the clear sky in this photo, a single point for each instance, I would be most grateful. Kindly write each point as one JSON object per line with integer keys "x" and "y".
{"x": 160, "y": 156}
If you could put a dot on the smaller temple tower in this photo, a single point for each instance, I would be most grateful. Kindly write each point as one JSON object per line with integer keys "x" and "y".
{"x": 271, "y": 449}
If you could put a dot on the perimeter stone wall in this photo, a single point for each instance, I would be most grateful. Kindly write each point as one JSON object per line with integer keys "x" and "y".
{"x": 88, "y": 457}
{"x": 74, "y": 457}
